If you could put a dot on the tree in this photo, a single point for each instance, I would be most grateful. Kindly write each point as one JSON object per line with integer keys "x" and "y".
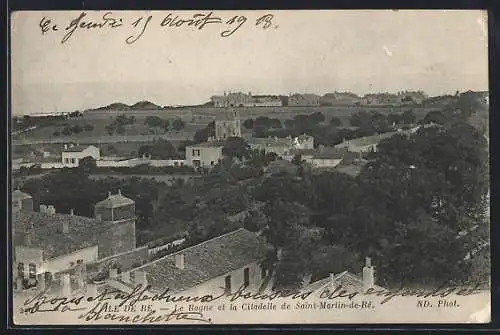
{"x": 120, "y": 130}
{"x": 110, "y": 128}
{"x": 203, "y": 134}
{"x": 435, "y": 117}
{"x": 336, "y": 122}
{"x": 76, "y": 129}
{"x": 248, "y": 123}
{"x": 409, "y": 117}
{"x": 235, "y": 147}
{"x": 289, "y": 123}
{"x": 121, "y": 120}
{"x": 166, "y": 125}
{"x": 87, "y": 164}
{"x": 153, "y": 121}
{"x": 160, "y": 149}
{"x": 111, "y": 149}
{"x": 394, "y": 118}
{"x": 178, "y": 124}
{"x": 88, "y": 127}
{"x": 66, "y": 131}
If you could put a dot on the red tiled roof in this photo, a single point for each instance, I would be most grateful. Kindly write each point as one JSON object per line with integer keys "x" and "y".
{"x": 206, "y": 261}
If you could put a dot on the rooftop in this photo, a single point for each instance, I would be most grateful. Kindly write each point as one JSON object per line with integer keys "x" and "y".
{"x": 349, "y": 282}
{"x": 17, "y": 195}
{"x": 77, "y": 148}
{"x": 368, "y": 140}
{"x": 114, "y": 200}
{"x": 48, "y": 235}
{"x": 269, "y": 141}
{"x": 213, "y": 144}
{"x": 206, "y": 261}
{"x": 330, "y": 153}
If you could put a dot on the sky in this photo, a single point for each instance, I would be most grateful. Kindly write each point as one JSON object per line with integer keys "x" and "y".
{"x": 302, "y": 52}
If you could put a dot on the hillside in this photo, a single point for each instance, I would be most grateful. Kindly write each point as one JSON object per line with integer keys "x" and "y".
{"x": 118, "y": 106}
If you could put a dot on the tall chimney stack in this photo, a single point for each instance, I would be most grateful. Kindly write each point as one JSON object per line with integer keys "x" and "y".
{"x": 179, "y": 261}
{"x": 65, "y": 285}
{"x": 368, "y": 274}
{"x": 65, "y": 227}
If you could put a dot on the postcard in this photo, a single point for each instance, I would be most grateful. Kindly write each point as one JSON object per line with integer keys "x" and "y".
{"x": 249, "y": 167}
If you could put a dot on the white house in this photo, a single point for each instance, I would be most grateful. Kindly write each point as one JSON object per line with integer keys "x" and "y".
{"x": 204, "y": 154}
{"x": 71, "y": 155}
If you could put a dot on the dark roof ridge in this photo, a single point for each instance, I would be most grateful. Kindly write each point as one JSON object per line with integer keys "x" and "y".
{"x": 191, "y": 247}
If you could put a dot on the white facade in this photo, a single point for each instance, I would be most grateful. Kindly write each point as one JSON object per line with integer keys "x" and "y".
{"x": 71, "y": 158}
{"x": 325, "y": 162}
{"x": 34, "y": 256}
{"x": 203, "y": 155}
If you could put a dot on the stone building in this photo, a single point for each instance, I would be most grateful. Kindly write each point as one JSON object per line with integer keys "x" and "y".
{"x": 240, "y": 99}
{"x": 227, "y": 124}
{"x": 304, "y": 100}
{"x": 48, "y": 243}
{"x": 118, "y": 212}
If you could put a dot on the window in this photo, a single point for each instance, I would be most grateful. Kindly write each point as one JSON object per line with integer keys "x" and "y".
{"x": 72, "y": 160}
{"x": 246, "y": 277}
{"x": 227, "y": 284}
{"x": 212, "y": 163}
{"x": 80, "y": 261}
{"x": 176, "y": 164}
{"x": 32, "y": 270}
{"x": 20, "y": 270}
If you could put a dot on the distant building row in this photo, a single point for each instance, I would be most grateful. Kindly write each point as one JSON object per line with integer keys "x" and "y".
{"x": 240, "y": 99}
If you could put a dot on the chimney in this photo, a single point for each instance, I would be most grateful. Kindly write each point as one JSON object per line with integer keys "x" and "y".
{"x": 368, "y": 274}
{"x": 109, "y": 194}
{"x": 92, "y": 290}
{"x": 71, "y": 212}
{"x": 113, "y": 273}
{"x": 41, "y": 282}
{"x": 51, "y": 210}
{"x": 65, "y": 147}
{"x": 119, "y": 192}
{"x": 279, "y": 254}
{"x": 332, "y": 279}
{"x": 126, "y": 277}
{"x": 65, "y": 227}
{"x": 43, "y": 209}
{"x": 140, "y": 278}
{"x": 179, "y": 261}
{"x": 65, "y": 285}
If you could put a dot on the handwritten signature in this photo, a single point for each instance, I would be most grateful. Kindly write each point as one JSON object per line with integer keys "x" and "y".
{"x": 140, "y": 24}
{"x": 99, "y": 311}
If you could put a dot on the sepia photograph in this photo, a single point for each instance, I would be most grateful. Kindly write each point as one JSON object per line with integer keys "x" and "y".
{"x": 249, "y": 167}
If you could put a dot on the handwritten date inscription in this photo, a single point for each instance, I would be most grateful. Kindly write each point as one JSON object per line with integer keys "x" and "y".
{"x": 138, "y": 26}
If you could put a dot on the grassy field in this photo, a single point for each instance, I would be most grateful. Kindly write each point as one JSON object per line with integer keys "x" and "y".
{"x": 195, "y": 118}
